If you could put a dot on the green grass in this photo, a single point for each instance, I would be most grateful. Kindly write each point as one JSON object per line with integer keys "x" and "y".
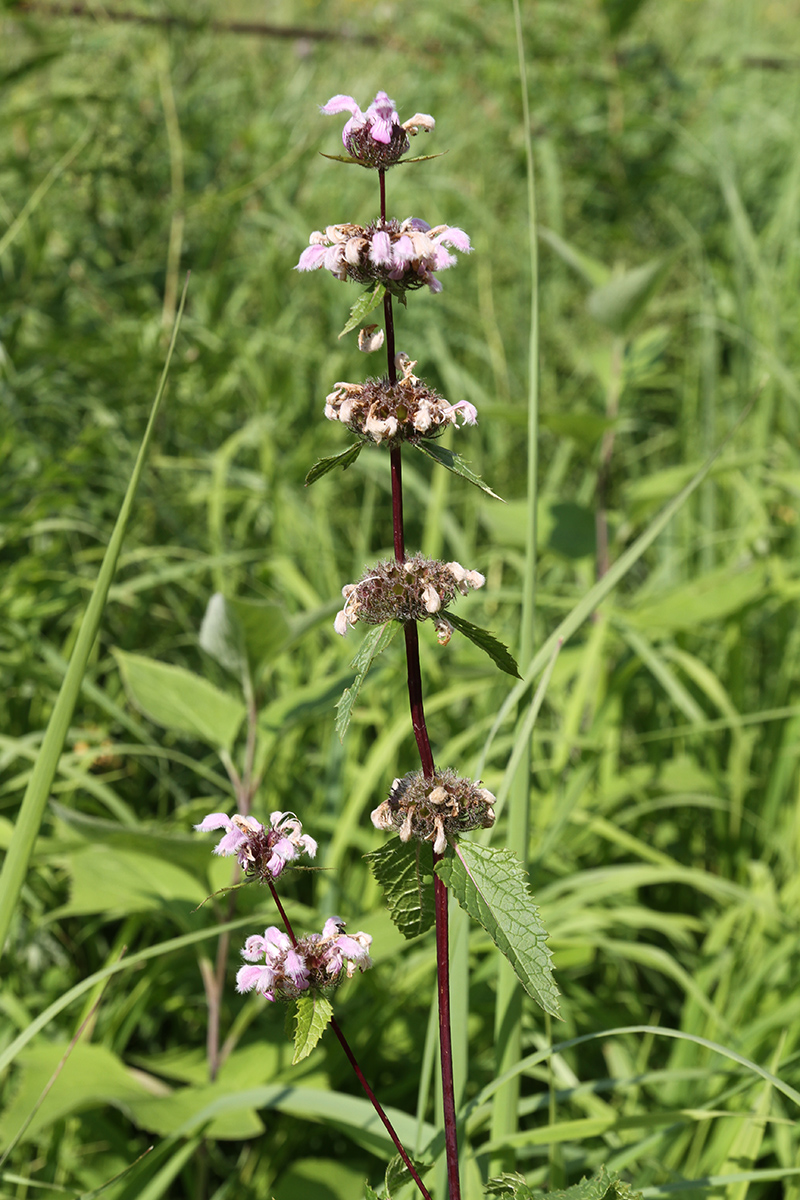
{"x": 663, "y": 819}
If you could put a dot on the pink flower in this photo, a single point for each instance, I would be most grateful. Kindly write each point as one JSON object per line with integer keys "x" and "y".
{"x": 376, "y": 138}
{"x": 261, "y": 852}
{"x": 281, "y": 970}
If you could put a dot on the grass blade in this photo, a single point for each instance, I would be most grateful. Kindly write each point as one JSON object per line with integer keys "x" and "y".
{"x": 32, "y": 809}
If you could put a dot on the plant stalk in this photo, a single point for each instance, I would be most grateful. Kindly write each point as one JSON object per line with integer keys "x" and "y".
{"x": 351, "y": 1058}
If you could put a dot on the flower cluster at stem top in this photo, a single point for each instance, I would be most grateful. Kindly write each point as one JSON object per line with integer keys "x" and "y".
{"x": 400, "y": 255}
{"x": 379, "y": 411}
{"x": 262, "y": 852}
{"x": 282, "y": 971}
{"x": 376, "y": 138}
{"x": 431, "y": 810}
{"x": 413, "y": 590}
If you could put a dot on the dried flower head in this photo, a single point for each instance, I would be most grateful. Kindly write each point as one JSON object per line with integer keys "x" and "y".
{"x": 433, "y": 810}
{"x": 318, "y": 961}
{"x": 406, "y": 411}
{"x": 376, "y": 138}
{"x": 401, "y": 256}
{"x": 262, "y": 853}
{"x": 413, "y": 590}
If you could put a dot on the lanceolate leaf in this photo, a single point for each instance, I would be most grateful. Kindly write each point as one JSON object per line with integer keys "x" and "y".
{"x": 493, "y": 888}
{"x": 179, "y": 700}
{"x": 498, "y": 653}
{"x": 376, "y": 640}
{"x": 313, "y": 1015}
{"x": 447, "y": 458}
{"x": 405, "y": 872}
{"x": 364, "y": 305}
{"x": 343, "y": 460}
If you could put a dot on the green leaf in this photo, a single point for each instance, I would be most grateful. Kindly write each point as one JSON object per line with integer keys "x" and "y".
{"x": 620, "y": 301}
{"x": 397, "y": 1174}
{"x": 590, "y": 269}
{"x": 313, "y": 1016}
{"x": 181, "y": 701}
{"x": 620, "y": 13}
{"x": 37, "y": 792}
{"x": 221, "y": 635}
{"x": 493, "y": 888}
{"x": 498, "y": 653}
{"x": 405, "y": 872}
{"x": 363, "y": 306}
{"x": 450, "y": 460}
{"x": 343, "y": 460}
{"x": 243, "y": 634}
{"x": 370, "y": 1193}
{"x": 373, "y": 644}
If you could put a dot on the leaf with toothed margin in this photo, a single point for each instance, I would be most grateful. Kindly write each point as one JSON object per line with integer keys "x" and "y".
{"x": 364, "y": 305}
{"x": 373, "y": 644}
{"x": 491, "y": 885}
{"x": 343, "y": 461}
{"x": 405, "y": 872}
{"x": 313, "y": 1016}
{"x": 369, "y": 1192}
{"x": 447, "y": 458}
{"x": 500, "y": 655}
{"x": 398, "y": 1174}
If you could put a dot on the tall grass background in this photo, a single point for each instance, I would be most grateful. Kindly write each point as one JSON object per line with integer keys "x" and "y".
{"x": 664, "y": 829}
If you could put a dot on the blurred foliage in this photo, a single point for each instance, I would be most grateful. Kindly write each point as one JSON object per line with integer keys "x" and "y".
{"x": 664, "y": 791}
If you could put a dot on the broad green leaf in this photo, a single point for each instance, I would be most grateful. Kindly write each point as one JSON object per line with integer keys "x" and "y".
{"x": 34, "y": 801}
{"x": 590, "y": 269}
{"x": 619, "y": 302}
{"x": 405, "y": 872}
{"x": 265, "y": 630}
{"x": 117, "y": 882}
{"x": 371, "y": 1194}
{"x": 620, "y": 13}
{"x": 450, "y": 460}
{"x": 373, "y": 644}
{"x": 90, "y": 1077}
{"x": 498, "y": 653}
{"x": 493, "y": 888}
{"x": 363, "y": 306}
{"x": 710, "y": 597}
{"x": 342, "y": 461}
{"x": 243, "y": 634}
{"x": 181, "y": 701}
{"x": 580, "y": 424}
{"x": 221, "y": 635}
{"x": 313, "y": 1016}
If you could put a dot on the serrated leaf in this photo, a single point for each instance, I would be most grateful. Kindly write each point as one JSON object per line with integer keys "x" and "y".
{"x": 343, "y": 461}
{"x": 405, "y": 872}
{"x": 493, "y": 888}
{"x": 364, "y": 305}
{"x": 373, "y": 644}
{"x": 500, "y": 655}
{"x": 397, "y": 1174}
{"x": 369, "y": 1192}
{"x": 313, "y": 1016}
{"x": 450, "y": 460}
{"x": 510, "y": 1183}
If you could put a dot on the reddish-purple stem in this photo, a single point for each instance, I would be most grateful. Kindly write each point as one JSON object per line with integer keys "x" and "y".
{"x": 351, "y": 1058}
{"x": 445, "y": 1038}
{"x": 426, "y": 758}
